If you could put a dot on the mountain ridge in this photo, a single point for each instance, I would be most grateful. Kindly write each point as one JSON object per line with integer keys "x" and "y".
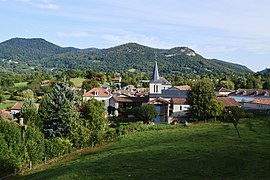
{"x": 42, "y": 54}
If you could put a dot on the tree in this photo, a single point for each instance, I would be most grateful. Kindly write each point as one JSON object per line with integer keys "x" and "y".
{"x": 145, "y": 113}
{"x": 94, "y": 113}
{"x": 233, "y": 115}
{"x": 29, "y": 94}
{"x": 266, "y": 84}
{"x": 90, "y": 84}
{"x": 30, "y": 113}
{"x": 2, "y": 97}
{"x": 57, "y": 111}
{"x": 200, "y": 98}
{"x": 216, "y": 109}
{"x": 227, "y": 84}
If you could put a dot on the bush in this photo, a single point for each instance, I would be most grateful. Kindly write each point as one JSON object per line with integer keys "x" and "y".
{"x": 35, "y": 144}
{"x": 130, "y": 127}
{"x": 57, "y": 147}
{"x": 110, "y": 135}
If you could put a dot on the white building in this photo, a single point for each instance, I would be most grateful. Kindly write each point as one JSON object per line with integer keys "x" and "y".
{"x": 99, "y": 94}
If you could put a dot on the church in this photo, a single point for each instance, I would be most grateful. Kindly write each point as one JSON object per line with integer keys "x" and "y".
{"x": 170, "y": 101}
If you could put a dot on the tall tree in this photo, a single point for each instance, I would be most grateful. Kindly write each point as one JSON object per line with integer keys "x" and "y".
{"x": 90, "y": 84}
{"x": 200, "y": 96}
{"x": 30, "y": 113}
{"x": 145, "y": 113}
{"x": 215, "y": 109}
{"x": 266, "y": 84}
{"x": 58, "y": 112}
{"x": 93, "y": 114}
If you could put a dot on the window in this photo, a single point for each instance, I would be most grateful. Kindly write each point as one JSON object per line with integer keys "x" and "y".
{"x": 155, "y": 88}
{"x": 96, "y": 93}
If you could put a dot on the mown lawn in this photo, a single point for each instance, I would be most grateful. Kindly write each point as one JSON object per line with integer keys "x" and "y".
{"x": 200, "y": 151}
{"x": 21, "y": 84}
{"x": 77, "y": 81}
{"x": 7, "y": 104}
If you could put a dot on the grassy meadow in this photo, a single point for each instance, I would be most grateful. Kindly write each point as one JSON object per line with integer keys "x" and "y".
{"x": 7, "y": 104}
{"x": 21, "y": 84}
{"x": 200, "y": 151}
{"x": 77, "y": 81}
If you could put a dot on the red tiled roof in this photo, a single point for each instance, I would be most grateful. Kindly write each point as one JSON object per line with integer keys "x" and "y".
{"x": 223, "y": 90}
{"x": 186, "y": 87}
{"x": 179, "y": 101}
{"x": 261, "y": 101}
{"x": 228, "y": 102}
{"x": 95, "y": 79}
{"x": 6, "y": 114}
{"x": 122, "y": 92}
{"x": 18, "y": 106}
{"x": 160, "y": 99}
{"x": 101, "y": 93}
{"x": 131, "y": 99}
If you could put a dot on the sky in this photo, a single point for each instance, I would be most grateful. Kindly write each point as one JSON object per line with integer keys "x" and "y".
{"x": 235, "y": 31}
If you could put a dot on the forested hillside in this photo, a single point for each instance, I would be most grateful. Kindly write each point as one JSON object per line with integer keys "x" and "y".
{"x": 23, "y": 55}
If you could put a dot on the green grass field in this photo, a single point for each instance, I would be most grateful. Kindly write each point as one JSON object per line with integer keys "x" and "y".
{"x": 7, "y": 104}
{"x": 77, "y": 81}
{"x": 21, "y": 84}
{"x": 200, "y": 151}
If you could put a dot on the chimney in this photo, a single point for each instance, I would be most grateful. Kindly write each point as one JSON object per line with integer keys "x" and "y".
{"x": 21, "y": 121}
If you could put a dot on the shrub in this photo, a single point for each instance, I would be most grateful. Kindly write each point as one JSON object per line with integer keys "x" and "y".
{"x": 57, "y": 147}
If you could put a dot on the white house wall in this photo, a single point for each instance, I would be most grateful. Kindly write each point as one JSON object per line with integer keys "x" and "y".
{"x": 104, "y": 99}
{"x": 177, "y": 111}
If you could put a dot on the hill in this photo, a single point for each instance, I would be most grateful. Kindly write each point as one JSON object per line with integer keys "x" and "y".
{"x": 22, "y": 55}
{"x": 201, "y": 151}
{"x": 265, "y": 71}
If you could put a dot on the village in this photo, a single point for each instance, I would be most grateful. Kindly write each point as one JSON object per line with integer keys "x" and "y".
{"x": 170, "y": 101}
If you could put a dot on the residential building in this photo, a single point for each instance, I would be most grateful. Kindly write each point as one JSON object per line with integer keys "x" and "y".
{"x": 223, "y": 91}
{"x": 258, "y": 104}
{"x": 99, "y": 94}
{"x": 126, "y": 102}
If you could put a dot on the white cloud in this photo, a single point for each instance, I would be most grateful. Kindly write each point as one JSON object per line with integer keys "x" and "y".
{"x": 42, "y": 4}
{"x": 47, "y": 6}
{"x": 73, "y": 34}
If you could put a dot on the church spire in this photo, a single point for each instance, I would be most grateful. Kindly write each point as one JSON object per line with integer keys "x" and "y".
{"x": 155, "y": 75}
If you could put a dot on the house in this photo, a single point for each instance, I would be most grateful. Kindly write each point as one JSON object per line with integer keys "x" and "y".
{"x": 163, "y": 95}
{"x": 252, "y": 92}
{"x": 179, "y": 107}
{"x": 228, "y": 102}
{"x": 99, "y": 94}
{"x": 126, "y": 102}
{"x": 16, "y": 108}
{"x": 6, "y": 114}
{"x": 223, "y": 91}
{"x": 163, "y": 108}
{"x": 122, "y": 92}
{"x": 258, "y": 104}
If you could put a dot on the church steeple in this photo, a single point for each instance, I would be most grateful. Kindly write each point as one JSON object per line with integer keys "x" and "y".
{"x": 155, "y": 75}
